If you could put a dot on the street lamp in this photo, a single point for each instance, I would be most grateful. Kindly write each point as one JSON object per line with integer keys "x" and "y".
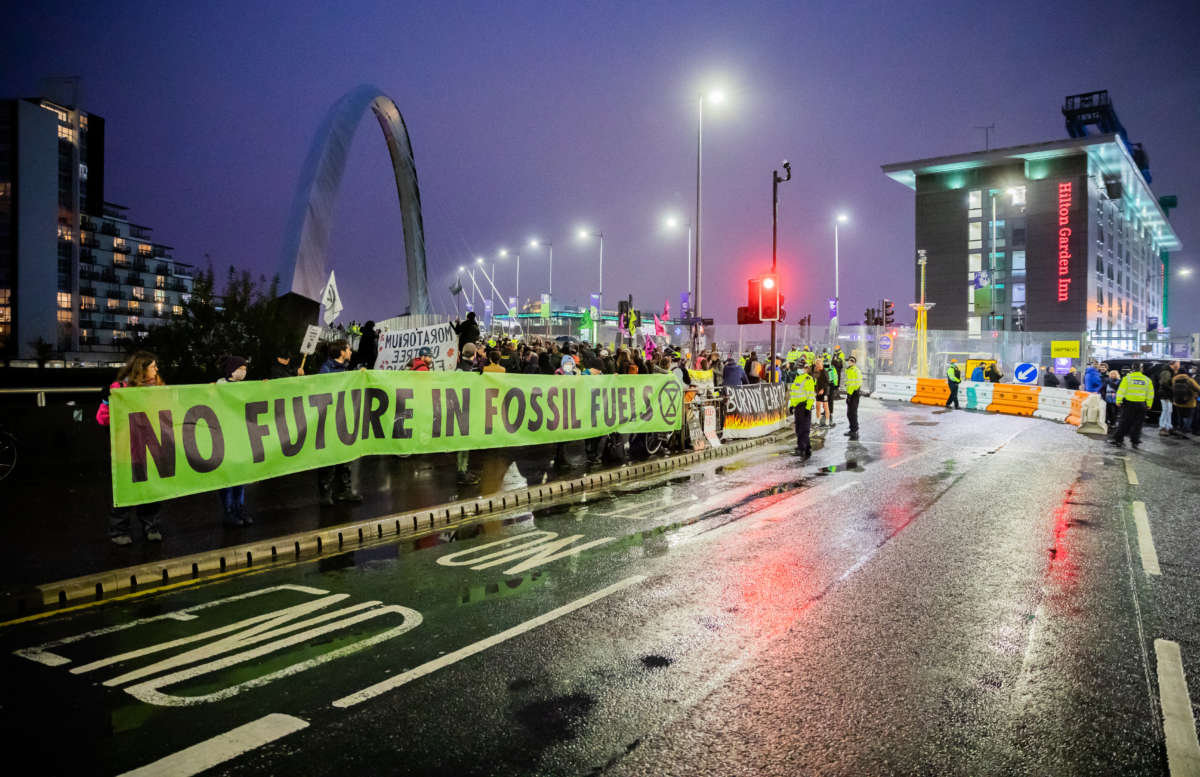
{"x": 1185, "y": 271}
{"x": 535, "y": 243}
{"x": 673, "y": 222}
{"x": 584, "y": 234}
{"x": 503, "y": 254}
{"x": 715, "y": 97}
{"x": 841, "y": 218}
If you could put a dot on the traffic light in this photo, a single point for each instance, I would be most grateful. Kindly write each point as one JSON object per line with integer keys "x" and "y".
{"x": 769, "y": 299}
{"x": 869, "y": 316}
{"x": 750, "y": 313}
{"x": 889, "y": 312}
{"x": 782, "y": 312}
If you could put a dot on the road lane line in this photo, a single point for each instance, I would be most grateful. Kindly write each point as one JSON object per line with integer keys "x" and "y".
{"x": 1145, "y": 539}
{"x": 904, "y": 461}
{"x": 441, "y": 662}
{"x": 222, "y": 748}
{"x": 1179, "y": 725}
{"x": 1130, "y": 475}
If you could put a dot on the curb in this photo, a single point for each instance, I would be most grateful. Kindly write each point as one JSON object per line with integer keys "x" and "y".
{"x": 264, "y": 554}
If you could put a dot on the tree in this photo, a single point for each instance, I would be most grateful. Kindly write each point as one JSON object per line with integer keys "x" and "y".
{"x": 242, "y": 321}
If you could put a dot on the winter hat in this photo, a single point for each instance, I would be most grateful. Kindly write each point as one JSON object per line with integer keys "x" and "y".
{"x": 568, "y": 364}
{"x": 230, "y": 364}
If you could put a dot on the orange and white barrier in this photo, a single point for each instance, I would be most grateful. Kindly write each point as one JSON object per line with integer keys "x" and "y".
{"x": 895, "y": 387}
{"x": 1013, "y": 399}
{"x": 931, "y": 391}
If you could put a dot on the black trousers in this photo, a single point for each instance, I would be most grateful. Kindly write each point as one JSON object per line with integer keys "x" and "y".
{"x": 953, "y": 399}
{"x": 852, "y": 411}
{"x": 1130, "y": 423}
{"x": 803, "y": 429}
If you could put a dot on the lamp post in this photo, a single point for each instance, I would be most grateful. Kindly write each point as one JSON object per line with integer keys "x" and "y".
{"x": 584, "y": 234}
{"x": 504, "y": 253}
{"x": 715, "y": 97}
{"x": 775, "y": 181}
{"x": 842, "y": 218}
{"x": 672, "y": 222}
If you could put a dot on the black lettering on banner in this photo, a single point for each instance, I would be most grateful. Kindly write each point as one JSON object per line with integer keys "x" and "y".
{"x": 287, "y": 444}
{"x": 648, "y": 401}
{"x": 437, "y": 412}
{"x": 622, "y": 407}
{"x": 596, "y": 399}
{"x": 403, "y": 413}
{"x": 489, "y": 408}
{"x": 535, "y": 409}
{"x": 321, "y": 402}
{"x": 510, "y": 396}
{"x": 348, "y": 434}
{"x": 610, "y": 409}
{"x": 458, "y": 411}
{"x": 375, "y": 404}
{"x": 255, "y": 432}
{"x": 161, "y": 448}
{"x": 197, "y": 462}
{"x": 555, "y": 416}
{"x": 573, "y": 401}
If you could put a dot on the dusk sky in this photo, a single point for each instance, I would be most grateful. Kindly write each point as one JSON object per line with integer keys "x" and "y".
{"x": 532, "y": 118}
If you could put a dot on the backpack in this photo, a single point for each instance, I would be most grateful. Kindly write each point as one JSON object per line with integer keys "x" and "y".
{"x": 1182, "y": 392}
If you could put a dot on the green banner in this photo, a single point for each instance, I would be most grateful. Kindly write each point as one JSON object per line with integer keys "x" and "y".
{"x": 169, "y": 441}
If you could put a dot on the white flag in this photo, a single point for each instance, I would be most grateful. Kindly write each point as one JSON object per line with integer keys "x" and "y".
{"x": 331, "y": 300}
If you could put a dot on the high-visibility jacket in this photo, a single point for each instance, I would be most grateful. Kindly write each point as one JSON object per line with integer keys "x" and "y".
{"x": 808, "y": 355}
{"x": 802, "y": 391}
{"x": 853, "y": 379}
{"x": 794, "y": 355}
{"x": 1136, "y": 387}
{"x": 953, "y": 374}
{"x": 833, "y": 375}
{"x": 742, "y": 362}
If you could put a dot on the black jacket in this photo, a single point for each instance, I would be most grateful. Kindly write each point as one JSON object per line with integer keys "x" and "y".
{"x": 467, "y": 331}
{"x": 1071, "y": 381}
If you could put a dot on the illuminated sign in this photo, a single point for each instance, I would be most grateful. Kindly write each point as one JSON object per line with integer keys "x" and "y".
{"x": 1064, "y": 241}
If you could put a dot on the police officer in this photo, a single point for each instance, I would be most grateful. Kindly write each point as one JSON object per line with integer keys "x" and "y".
{"x": 801, "y": 396}
{"x": 1135, "y": 395}
{"x": 853, "y": 386}
{"x": 953, "y": 378}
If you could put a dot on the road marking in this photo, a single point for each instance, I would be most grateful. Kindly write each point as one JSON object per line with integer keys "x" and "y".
{"x": 842, "y": 488}
{"x": 904, "y": 461}
{"x": 222, "y": 748}
{"x": 1130, "y": 475}
{"x": 1145, "y": 539}
{"x": 1179, "y": 725}
{"x": 441, "y": 662}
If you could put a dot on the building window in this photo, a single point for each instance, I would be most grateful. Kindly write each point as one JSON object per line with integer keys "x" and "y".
{"x": 64, "y": 300}
{"x": 975, "y": 199}
{"x": 161, "y": 281}
{"x": 973, "y": 263}
{"x": 160, "y": 295}
{"x": 145, "y": 250}
{"x": 1018, "y": 236}
{"x": 975, "y": 232}
{"x": 177, "y": 310}
{"x": 973, "y": 328}
{"x": 139, "y": 292}
{"x": 1018, "y": 261}
{"x": 1018, "y": 198}
{"x": 66, "y": 133}
{"x": 1018, "y": 297}
{"x": 113, "y": 304}
{"x": 64, "y": 316}
{"x": 134, "y": 306}
{"x": 118, "y": 242}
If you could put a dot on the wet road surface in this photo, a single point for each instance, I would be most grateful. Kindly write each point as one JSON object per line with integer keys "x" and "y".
{"x": 958, "y": 593}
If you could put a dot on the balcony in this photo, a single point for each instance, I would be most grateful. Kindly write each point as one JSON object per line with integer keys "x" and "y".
{"x": 86, "y": 256}
{"x": 114, "y": 294}
{"x": 87, "y": 323}
{"x": 110, "y": 229}
{"x": 87, "y": 224}
{"x": 108, "y": 276}
{"x": 177, "y": 286}
{"x": 87, "y": 291}
{"x": 91, "y": 242}
{"x": 133, "y": 280}
{"x": 108, "y": 323}
{"x": 162, "y": 268}
{"x": 140, "y": 265}
{"x": 121, "y": 249}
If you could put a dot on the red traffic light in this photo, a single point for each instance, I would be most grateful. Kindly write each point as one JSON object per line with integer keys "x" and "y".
{"x": 769, "y": 298}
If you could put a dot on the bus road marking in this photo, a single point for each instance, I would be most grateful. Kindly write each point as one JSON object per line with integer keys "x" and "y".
{"x": 221, "y": 748}
{"x": 1179, "y": 724}
{"x": 1145, "y": 540}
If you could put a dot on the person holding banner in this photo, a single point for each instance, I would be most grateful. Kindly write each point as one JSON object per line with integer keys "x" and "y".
{"x": 340, "y": 476}
{"x": 466, "y": 363}
{"x": 233, "y": 498}
{"x": 140, "y": 370}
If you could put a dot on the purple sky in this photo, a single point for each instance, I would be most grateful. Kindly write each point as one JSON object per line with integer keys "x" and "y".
{"x": 532, "y": 118}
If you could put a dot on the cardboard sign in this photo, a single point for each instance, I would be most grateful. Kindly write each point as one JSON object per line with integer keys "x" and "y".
{"x": 399, "y": 347}
{"x": 312, "y": 336}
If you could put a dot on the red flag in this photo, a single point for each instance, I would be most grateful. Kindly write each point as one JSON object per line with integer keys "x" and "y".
{"x": 659, "y": 331}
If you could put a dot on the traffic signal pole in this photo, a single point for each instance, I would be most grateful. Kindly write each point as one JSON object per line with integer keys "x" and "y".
{"x": 775, "y": 181}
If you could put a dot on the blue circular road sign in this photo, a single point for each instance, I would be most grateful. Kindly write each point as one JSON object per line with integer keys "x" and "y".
{"x": 1026, "y": 373}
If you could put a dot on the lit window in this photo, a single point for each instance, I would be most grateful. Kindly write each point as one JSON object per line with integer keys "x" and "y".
{"x": 161, "y": 281}
{"x": 177, "y": 310}
{"x": 64, "y": 316}
{"x": 64, "y": 300}
{"x": 133, "y": 320}
{"x": 139, "y": 292}
{"x": 1018, "y": 197}
{"x": 974, "y": 231}
{"x": 973, "y": 263}
{"x": 64, "y": 232}
{"x": 113, "y": 304}
{"x": 1018, "y": 294}
{"x": 144, "y": 250}
{"x": 87, "y": 303}
{"x": 975, "y": 199}
{"x": 134, "y": 305}
{"x": 160, "y": 295}
{"x": 158, "y": 309}
{"x": 66, "y": 133}
{"x": 1018, "y": 261}
{"x": 118, "y": 242}
{"x": 973, "y": 327}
